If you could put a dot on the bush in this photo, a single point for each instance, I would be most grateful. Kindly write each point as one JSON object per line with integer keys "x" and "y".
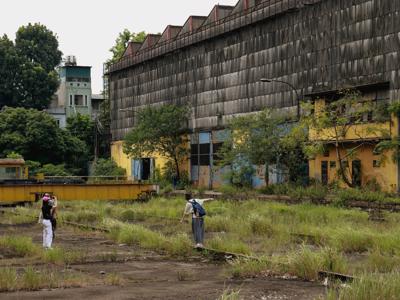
{"x": 344, "y": 196}
{"x": 54, "y": 170}
{"x": 108, "y": 167}
{"x": 275, "y": 189}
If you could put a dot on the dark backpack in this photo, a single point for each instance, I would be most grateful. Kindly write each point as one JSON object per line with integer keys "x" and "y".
{"x": 198, "y": 210}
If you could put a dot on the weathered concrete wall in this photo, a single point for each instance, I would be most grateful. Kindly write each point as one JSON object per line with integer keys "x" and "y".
{"x": 329, "y": 45}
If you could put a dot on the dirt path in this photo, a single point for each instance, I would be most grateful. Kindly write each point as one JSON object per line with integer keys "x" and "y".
{"x": 147, "y": 275}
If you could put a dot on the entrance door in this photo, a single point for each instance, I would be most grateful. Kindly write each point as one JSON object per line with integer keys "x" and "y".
{"x": 356, "y": 172}
{"x": 146, "y": 168}
{"x": 324, "y": 172}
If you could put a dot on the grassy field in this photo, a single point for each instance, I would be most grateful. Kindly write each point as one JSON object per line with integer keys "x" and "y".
{"x": 297, "y": 240}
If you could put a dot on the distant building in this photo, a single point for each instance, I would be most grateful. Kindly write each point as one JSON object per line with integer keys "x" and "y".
{"x": 215, "y": 63}
{"x": 74, "y": 94}
{"x": 97, "y": 99}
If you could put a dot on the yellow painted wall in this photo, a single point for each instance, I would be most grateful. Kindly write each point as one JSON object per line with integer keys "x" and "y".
{"x": 371, "y": 130}
{"x": 386, "y": 175}
{"x": 122, "y": 160}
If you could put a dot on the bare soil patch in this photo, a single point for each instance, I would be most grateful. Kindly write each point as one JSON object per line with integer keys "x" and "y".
{"x": 144, "y": 274}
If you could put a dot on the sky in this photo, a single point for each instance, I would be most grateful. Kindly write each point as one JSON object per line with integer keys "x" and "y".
{"x": 88, "y": 28}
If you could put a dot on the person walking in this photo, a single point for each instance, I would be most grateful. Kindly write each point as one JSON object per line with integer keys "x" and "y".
{"x": 45, "y": 219}
{"x": 196, "y": 209}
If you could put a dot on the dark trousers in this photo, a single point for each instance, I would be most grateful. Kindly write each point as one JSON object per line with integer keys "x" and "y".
{"x": 198, "y": 230}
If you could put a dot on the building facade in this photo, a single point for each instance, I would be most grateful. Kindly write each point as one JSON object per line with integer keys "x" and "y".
{"x": 215, "y": 63}
{"x": 74, "y": 94}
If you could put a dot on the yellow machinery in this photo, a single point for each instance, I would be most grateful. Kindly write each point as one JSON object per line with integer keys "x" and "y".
{"x": 14, "y": 189}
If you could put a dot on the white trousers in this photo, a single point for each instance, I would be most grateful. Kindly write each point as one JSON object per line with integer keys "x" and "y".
{"x": 47, "y": 234}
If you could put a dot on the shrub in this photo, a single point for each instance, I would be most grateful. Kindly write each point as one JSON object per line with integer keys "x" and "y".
{"x": 108, "y": 167}
{"x": 316, "y": 192}
{"x": 54, "y": 170}
{"x": 297, "y": 193}
{"x": 344, "y": 196}
{"x": 275, "y": 189}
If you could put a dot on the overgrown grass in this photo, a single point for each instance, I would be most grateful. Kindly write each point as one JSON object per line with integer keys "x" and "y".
{"x": 228, "y": 244}
{"x": 35, "y": 279}
{"x": 61, "y": 256}
{"x": 299, "y": 239}
{"x": 18, "y": 246}
{"x": 373, "y": 286}
{"x": 241, "y": 268}
{"x": 131, "y": 234}
{"x": 8, "y": 279}
{"x": 229, "y": 294}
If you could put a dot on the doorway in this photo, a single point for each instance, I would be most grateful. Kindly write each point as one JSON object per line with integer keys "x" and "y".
{"x": 356, "y": 173}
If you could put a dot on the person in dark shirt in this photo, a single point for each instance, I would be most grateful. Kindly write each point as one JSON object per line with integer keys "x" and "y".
{"x": 45, "y": 218}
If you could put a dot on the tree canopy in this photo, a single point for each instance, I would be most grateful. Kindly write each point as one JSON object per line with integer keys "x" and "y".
{"x": 264, "y": 138}
{"x": 122, "y": 41}
{"x": 36, "y": 136}
{"x": 159, "y": 130}
{"x": 27, "y": 67}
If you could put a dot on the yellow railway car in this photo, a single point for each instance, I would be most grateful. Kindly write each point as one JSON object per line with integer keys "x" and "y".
{"x": 23, "y": 193}
{"x": 15, "y": 188}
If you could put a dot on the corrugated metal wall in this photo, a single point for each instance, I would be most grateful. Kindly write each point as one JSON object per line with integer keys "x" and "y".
{"x": 329, "y": 45}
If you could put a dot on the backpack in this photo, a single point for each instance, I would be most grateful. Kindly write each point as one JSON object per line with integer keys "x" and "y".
{"x": 198, "y": 210}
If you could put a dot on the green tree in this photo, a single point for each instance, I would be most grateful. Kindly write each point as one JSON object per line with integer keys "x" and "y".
{"x": 263, "y": 139}
{"x": 9, "y": 72}
{"x": 36, "y": 136}
{"x": 38, "y": 45}
{"x": 27, "y": 68}
{"x": 82, "y": 127}
{"x": 160, "y": 130}
{"x": 122, "y": 41}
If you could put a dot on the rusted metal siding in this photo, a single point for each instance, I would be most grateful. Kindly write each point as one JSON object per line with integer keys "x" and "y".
{"x": 329, "y": 45}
